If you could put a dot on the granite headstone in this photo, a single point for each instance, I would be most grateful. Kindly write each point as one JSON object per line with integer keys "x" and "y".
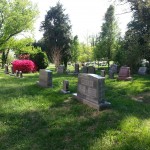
{"x": 91, "y": 91}
{"x": 142, "y": 70}
{"x": 45, "y": 78}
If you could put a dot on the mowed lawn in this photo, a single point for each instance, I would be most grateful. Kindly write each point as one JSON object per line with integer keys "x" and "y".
{"x": 35, "y": 118}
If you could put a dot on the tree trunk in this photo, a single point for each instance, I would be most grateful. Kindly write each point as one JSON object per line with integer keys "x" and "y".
{"x": 4, "y": 57}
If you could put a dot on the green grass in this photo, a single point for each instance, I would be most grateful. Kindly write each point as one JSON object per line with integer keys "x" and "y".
{"x": 35, "y": 118}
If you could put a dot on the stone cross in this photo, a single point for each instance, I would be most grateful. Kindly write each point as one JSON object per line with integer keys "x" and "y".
{"x": 45, "y": 78}
{"x": 91, "y": 91}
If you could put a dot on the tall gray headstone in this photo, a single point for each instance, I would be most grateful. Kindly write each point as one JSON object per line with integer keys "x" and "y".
{"x": 61, "y": 69}
{"x": 91, "y": 69}
{"x": 12, "y": 69}
{"x": 91, "y": 91}
{"x": 142, "y": 70}
{"x": 45, "y": 78}
{"x": 20, "y": 74}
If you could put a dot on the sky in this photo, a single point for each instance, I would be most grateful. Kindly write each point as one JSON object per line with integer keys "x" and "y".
{"x": 86, "y": 16}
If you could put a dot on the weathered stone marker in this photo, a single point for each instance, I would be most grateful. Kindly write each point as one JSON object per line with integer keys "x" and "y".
{"x": 91, "y": 70}
{"x": 61, "y": 69}
{"x": 84, "y": 69}
{"x": 142, "y": 70}
{"x": 65, "y": 89}
{"x": 20, "y": 74}
{"x": 12, "y": 70}
{"x": 91, "y": 91}
{"x": 6, "y": 71}
{"x": 45, "y": 78}
{"x": 17, "y": 73}
{"x": 124, "y": 74}
{"x": 103, "y": 73}
{"x": 76, "y": 68}
{"x": 111, "y": 74}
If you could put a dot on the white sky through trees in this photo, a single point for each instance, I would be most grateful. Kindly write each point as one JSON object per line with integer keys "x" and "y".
{"x": 86, "y": 16}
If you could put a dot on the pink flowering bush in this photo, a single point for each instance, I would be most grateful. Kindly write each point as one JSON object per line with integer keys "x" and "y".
{"x": 25, "y": 66}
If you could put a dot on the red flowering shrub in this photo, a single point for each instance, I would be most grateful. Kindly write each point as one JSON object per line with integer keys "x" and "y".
{"x": 24, "y": 65}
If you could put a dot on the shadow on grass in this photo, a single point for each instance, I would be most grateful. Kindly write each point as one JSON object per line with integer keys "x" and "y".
{"x": 67, "y": 124}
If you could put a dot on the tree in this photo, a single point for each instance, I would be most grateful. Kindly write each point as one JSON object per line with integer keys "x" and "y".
{"x": 108, "y": 36}
{"x": 74, "y": 49}
{"x": 16, "y": 16}
{"x": 57, "y": 35}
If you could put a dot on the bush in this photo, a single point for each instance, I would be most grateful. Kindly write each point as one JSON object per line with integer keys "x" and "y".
{"x": 25, "y": 66}
{"x": 40, "y": 60}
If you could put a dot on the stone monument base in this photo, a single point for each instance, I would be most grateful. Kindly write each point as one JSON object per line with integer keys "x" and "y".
{"x": 65, "y": 92}
{"x": 43, "y": 85}
{"x": 100, "y": 106}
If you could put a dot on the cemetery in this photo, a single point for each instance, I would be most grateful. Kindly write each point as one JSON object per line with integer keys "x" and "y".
{"x": 62, "y": 92}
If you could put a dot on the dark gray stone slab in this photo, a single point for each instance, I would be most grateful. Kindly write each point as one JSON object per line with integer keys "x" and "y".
{"x": 76, "y": 68}
{"x": 91, "y": 70}
{"x": 84, "y": 69}
{"x": 61, "y": 69}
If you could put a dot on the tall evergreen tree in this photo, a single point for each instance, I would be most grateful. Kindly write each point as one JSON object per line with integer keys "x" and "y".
{"x": 57, "y": 35}
{"x": 108, "y": 36}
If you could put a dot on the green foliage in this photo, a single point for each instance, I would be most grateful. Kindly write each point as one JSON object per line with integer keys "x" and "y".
{"x": 16, "y": 16}
{"x": 74, "y": 49}
{"x": 85, "y": 53}
{"x": 57, "y": 35}
{"x": 40, "y": 118}
{"x": 106, "y": 42}
{"x": 40, "y": 60}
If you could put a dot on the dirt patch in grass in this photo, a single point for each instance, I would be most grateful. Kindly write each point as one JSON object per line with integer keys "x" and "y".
{"x": 142, "y": 97}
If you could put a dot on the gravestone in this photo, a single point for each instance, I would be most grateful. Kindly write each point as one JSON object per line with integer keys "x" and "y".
{"x": 91, "y": 91}
{"x": 65, "y": 89}
{"x": 142, "y": 70}
{"x": 111, "y": 74}
{"x": 103, "y": 73}
{"x": 17, "y": 73}
{"x": 113, "y": 68}
{"x": 6, "y": 71}
{"x": 84, "y": 69}
{"x": 61, "y": 69}
{"x": 45, "y": 78}
{"x": 20, "y": 74}
{"x": 12, "y": 70}
{"x": 91, "y": 70}
{"x": 124, "y": 74}
{"x": 76, "y": 68}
